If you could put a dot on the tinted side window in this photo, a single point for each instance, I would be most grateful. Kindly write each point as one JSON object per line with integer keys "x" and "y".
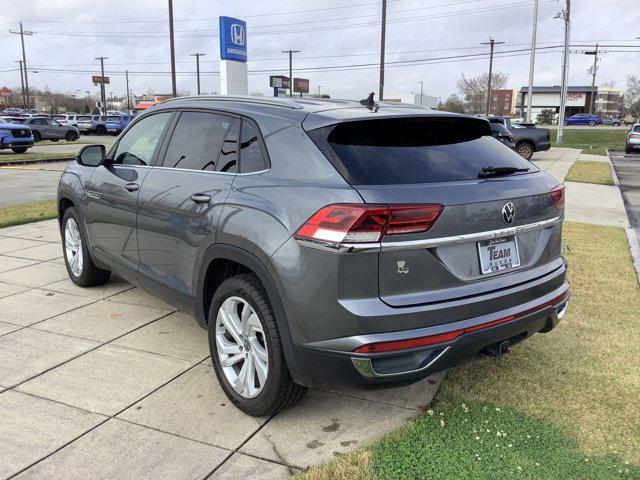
{"x": 251, "y": 155}
{"x": 196, "y": 141}
{"x": 136, "y": 147}
{"x": 228, "y": 159}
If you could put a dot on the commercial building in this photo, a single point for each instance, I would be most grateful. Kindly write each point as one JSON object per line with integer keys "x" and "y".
{"x": 427, "y": 101}
{"x": 503, "y": 102}
{"x": 548, "y": 98}
{"x": 609, "y": 101}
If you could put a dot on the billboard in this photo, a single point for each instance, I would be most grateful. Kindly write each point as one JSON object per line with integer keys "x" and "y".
{"x": 233, "y": 39}
{"x": 301, "y": 85}
{"x": 96, "y": 79}
{"x": 278, "y": 81}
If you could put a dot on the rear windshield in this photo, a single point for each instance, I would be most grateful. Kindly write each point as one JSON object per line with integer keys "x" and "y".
{"x": 636, "y": 128}
{"x": 59, "y": 117}
{"x": 414, "y": 150}
{"x": 84, "y": 119}
{"x": 113, "y": 119}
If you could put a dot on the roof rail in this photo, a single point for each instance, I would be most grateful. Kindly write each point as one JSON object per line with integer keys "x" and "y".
{"x": 274, "y": 102}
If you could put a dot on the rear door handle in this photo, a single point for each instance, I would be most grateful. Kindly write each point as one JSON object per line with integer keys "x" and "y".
{"x": 132, "y": 187}
{"x": 200, "y": 198}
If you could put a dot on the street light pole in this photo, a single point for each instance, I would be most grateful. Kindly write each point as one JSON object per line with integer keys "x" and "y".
{"x": 198, "y": 55}
{"x": 290, "y": 52}
{"x": 173, "y": 52}
{"x": 566, "y": 16}
{"x": 126, "y": 76}
{"x": 491, "y": 44}
{"x": 22, "y": 33}
{"x": 421, "y": 86}
{"x": 532, "y": 61}
{"x": 382, "y": 45}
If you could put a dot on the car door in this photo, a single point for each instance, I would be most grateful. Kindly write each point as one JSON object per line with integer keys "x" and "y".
{"x": 113, "y": 190}
{"x": 181, "y": 200}
{"x": 54, "y": 129}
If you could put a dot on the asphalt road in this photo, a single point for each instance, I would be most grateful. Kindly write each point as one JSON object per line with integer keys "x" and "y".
{"x": 627, "y": 169}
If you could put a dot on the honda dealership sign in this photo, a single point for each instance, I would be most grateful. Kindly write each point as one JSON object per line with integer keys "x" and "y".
{"x": 233, "y": 39}
{"x": 233, "y": 56}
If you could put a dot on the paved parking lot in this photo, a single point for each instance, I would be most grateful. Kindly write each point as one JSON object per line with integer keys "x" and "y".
{"x": 109, "y": 382}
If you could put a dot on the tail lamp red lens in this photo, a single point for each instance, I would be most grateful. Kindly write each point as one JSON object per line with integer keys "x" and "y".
{"x": 557, "y": 195}
{"x": 453, "y": 334}
{"x": 634, "y": 135}
{"x": 365, "y": 223}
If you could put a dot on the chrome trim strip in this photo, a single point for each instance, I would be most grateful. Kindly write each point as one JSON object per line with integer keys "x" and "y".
{"x": 470, "y": 237}
{"x": 562, "y": 310}
{"x": 427, "y": 242}
{"x": 365, "y": 367}
{"x": 93, "y": 194}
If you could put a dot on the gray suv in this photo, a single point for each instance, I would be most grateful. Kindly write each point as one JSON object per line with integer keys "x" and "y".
{"x": 322, "y": 243}
{"x": 44, "y": 128}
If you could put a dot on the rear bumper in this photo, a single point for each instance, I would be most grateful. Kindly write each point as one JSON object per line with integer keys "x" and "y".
{"x": 543, "y": 146}
{"x": 334, "y": 362}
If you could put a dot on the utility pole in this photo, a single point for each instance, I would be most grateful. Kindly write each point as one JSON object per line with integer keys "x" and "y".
{"x": 290, "y": 52}
{"x": 103, "y": 93}
{"x": 173, "y": 52}
{"x": 491, "y": 44}
{"x": 593, "y": 70}
{"x": 22, "y": 33}
{"x": 198, "y": 55}
{"x": 126, "y": 76}
{"x": 421, "y": 86}
{"x": 532, "y": 61}
{"x": 382, "y": 44}
{"x": 24, "y": 100}
{"x": 566, "y": 17}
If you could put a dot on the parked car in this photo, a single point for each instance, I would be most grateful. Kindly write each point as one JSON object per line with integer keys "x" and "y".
{"x": 49, "y": 129}
{"x": 529, "y": 139}
{"x": 583, "y": 119}
{"x": 322, "y": 243}
{"x": 66, "y": 119}
{"x": 93, "y": 124}
{"x": 501, "y": 133}
{"x": 633, "y": 139}
{"x": 117, "y": 123}
{"x": 16, "y": 137}
{"x": 613, "y": 121}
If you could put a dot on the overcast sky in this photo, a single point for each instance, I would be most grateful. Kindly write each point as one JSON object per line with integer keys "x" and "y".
{"x": 328, "y": 33}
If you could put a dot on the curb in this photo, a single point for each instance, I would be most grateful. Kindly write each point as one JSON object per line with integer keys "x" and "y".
{"x": 35, "y": 161}
{"x": 634, "y": 247}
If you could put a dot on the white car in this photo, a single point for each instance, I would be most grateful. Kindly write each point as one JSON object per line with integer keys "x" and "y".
{"x": 66, "y": 119}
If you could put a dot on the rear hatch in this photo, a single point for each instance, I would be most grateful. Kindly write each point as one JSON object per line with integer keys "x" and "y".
{"x": 496, "y": 229}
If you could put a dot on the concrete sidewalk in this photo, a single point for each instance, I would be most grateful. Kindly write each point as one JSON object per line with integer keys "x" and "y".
{"x": 109, "y": 382}
{"x": 585, "y": 202}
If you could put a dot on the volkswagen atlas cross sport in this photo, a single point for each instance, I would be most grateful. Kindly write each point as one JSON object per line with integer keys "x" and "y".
{"x": 322, "y": 243}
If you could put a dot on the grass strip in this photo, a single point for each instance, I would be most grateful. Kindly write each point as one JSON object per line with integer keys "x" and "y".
{"x": 11, "y": 215}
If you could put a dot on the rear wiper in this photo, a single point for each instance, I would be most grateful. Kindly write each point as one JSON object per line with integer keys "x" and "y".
{"x": 498, "y": 171}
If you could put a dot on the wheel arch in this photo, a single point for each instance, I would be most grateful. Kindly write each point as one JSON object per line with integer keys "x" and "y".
{"x": 222, "y": 256}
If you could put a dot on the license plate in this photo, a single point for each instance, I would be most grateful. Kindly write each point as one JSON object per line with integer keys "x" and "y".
{"x": 498, "y": 254}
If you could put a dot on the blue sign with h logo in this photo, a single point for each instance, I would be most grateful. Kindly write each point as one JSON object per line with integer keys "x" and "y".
{"x": 233, "y": 39}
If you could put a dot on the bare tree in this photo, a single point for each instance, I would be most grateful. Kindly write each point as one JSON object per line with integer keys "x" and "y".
{"x": 474, "y": 89}
{"x": 453, "y": 103}
{"x": 632, "y": 94}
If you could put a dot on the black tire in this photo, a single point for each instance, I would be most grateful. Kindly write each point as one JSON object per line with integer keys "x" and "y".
{"x": 615, "y": 124}
{"x": 100, "y": 130}
{"x": 525, "y": 149}
{"x": 71, "y": 136}
{"x": 628, "y": 151}
{"x": 90, "y": 275}
{"x": 566, "y": 123}
{"x": 279, "y": 391}
{"x": 19, "y": 149}
{"x": 54, "y": 139}
{"x": 592, "y": 123}
{"x": 37, "y": 137}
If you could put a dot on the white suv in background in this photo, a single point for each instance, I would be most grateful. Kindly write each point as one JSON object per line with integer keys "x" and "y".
{"x": 70, "y": 120}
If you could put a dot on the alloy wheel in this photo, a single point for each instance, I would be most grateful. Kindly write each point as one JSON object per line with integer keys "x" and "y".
{"x": 241, "y": 347}
{"x": 73, "y": 247}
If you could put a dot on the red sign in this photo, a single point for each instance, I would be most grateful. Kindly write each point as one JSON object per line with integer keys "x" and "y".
{"x": 301, "y": 85}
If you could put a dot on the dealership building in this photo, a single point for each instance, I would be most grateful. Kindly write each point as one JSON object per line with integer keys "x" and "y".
{"x": 578, "y": 100}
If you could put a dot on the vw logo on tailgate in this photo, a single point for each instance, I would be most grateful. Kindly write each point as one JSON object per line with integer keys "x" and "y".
{"x": 508, "y": 212}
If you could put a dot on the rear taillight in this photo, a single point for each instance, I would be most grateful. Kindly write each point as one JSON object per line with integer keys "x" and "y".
{"x": 557, "y": 194}
{"x": 634, "y": 135}
{"x": 365, "y": 223}
{"x": 548, "y": 135}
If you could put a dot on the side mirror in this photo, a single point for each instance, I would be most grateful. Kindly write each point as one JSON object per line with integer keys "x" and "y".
{"x": 91, "y": 155}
